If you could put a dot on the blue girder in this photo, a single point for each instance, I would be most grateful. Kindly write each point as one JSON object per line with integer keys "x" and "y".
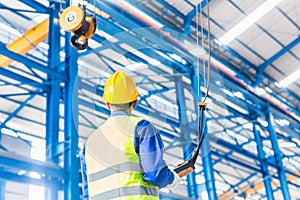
{"x": 263, "y": 66}
{"x": 31, "y": 63}
{"x": 264, "y": 167}
{"x": 37, "y": 6}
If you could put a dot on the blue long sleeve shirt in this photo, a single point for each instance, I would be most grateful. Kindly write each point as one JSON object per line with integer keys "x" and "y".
{"x": 149, "y": 146}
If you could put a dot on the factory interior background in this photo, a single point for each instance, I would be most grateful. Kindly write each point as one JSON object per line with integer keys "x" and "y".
{"x": 247, "y": 51}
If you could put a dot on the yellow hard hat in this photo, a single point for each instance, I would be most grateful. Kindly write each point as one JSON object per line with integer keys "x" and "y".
{"x": 120, "y": 89}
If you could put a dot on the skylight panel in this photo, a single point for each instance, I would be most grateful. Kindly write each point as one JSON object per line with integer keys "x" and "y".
{"x": 243, "y": 25}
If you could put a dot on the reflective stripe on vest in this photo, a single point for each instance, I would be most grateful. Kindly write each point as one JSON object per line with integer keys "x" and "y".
{"x": 113, "y": 167}
{"x": 123, "y": 167}
{"x": 127, "y": 191}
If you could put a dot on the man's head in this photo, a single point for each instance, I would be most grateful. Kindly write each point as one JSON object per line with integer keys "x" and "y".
{"x": 120, "y": 92}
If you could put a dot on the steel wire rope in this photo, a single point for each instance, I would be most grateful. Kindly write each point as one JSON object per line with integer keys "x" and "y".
{"x": 209, "y": 51}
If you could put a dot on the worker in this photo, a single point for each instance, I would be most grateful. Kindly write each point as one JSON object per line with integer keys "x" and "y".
{"x": 123, "y": 158}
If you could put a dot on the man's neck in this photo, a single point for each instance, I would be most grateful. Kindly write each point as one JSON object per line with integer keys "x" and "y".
{"x": 124, "y": 111}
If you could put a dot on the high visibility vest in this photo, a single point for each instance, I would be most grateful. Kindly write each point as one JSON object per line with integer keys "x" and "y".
{"x": 113, "y": 167}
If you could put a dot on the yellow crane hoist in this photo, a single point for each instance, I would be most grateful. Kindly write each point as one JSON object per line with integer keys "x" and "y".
{"x": 74, "y": 19}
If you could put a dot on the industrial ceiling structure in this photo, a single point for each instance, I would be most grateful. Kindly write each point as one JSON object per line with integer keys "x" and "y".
{"x": 51, "y": 94}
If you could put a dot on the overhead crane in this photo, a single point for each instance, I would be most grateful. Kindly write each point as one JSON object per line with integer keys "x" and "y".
{"x": 29, "y": 40}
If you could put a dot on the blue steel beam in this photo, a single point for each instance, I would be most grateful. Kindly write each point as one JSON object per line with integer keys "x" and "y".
{"x": 166, "y": 43}
{"x": 54, "y": 94}
{"x": 15, "y": 112}
{"x": 236, "y": 161}
{"x": 33, "y": 73}
{"x": 26, "y": 61}
{"x": 241, "y": 151}
{"x": 19, "y": 94}
{"x": 17, "y": 10}
{"x": 188, "y": 19}
{"x": 254, "y": 97}
{"x": 278, "y": 157}
{"x": 24, "y": 118}
{"x": 191, "y": 178}
{"x": 171, "y": 8}
{"x": 25, "y": 163}
{"x": 264, "y": 167}
{"x": 132, "y": 56}
{"x": 8, "y": 176}
{"x": 208, "y": 167}
{"x": 235, "y": 186}
{"x": 36, "y": 5}
{"x": 287, "y": 16}
{"x": 71, "y": 159}
{"x": 22, "y": 79}
{"x": 263, "y": 66}
{"x": 2, "y": 188}
{"x": 223, "y": 143}
{"x": 18, "y": 132}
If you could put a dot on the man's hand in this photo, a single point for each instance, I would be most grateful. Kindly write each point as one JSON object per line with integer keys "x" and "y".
{"x": 175, "y": 182}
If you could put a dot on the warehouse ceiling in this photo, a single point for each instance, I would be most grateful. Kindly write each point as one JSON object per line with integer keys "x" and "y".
{"x": 254, "y": 68}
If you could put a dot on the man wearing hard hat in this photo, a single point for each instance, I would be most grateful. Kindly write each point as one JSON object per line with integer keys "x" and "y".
{"x": 123, "y": 158}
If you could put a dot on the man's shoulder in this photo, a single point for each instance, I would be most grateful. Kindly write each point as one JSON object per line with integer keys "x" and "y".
{"x": 144, "y": 123}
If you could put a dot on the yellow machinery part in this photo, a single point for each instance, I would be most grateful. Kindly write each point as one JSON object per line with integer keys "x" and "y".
{"x": 71, "y": 19}
{"x": 28, "y": 41}
{"x": 91, "y": 29}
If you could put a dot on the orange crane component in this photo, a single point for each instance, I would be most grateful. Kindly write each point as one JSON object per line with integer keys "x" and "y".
{"x": 28, "y": 41}
{"x": 248, "y": 190}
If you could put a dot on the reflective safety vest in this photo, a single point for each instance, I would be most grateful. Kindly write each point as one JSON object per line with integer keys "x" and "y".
{"x": 113, "y": 167}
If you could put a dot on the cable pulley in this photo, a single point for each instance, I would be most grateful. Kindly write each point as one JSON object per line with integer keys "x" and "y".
{"x": 83, "y": 26}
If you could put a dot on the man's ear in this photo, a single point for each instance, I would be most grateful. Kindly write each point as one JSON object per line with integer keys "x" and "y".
{"x": 134, "y": 104}
{"x": 108, "y": 105}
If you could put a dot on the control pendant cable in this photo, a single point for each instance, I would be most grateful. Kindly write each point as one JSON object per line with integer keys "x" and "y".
{"x": 189, "y": 166}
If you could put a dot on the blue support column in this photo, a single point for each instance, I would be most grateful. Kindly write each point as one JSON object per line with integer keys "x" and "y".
{"x": 53, "y": 96}
{"x": 191, "y": 178}
{"x": 205, "y": 149}
{"x": 2, "y": 186}
{"x": 264, "y": 166}
{"x": 208, "y": 167}
{"x": 262, "y": 67}
{"x": 71, "y": 151}
{"x": 278, "y": 159}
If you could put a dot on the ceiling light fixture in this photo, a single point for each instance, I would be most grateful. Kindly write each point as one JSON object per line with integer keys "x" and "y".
{"x": 249, "y": 21}
{"x": 290, "y": 79}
